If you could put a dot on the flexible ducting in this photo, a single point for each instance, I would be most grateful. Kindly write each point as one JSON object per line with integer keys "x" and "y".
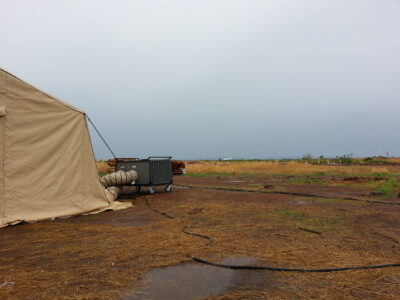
{"x": 114, "y": 192}
{"x": 111, "y": 182}
{"x": 119, "y": 178}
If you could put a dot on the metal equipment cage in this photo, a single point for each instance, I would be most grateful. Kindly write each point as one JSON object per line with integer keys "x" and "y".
{"x": 153, "y": 171}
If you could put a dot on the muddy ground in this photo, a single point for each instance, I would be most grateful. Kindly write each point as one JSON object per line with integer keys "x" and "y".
{"x": 139, "y": 253}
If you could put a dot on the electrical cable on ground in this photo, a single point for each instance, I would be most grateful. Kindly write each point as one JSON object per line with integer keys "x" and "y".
{"x": 266, "y": 268}
{"x": 292, "y": 269}
{"x": 309, "y": 230}
{"x": 250, "y": 191}
{"x": 210, "y": 240}
{"x": 284, "y": 193}
{"x": 156, "y": 210}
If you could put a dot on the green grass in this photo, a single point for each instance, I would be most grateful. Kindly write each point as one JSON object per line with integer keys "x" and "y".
{"x": 389, "y": 187}
{"x": 293, "y": 219}
{"x": 289, "y": 214}
{"x": 378, "y": 174}
{"x": 318, "y": 174}
{"x": 369, "y": 184}
{"x": 305, "y": 180}
{"x": 256, "y": 186}
{"x": 329, "y": 223}
{"x": 335, "y": 200}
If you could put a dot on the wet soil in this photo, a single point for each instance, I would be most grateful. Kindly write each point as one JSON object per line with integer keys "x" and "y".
{"x": 193, "y": 281}
{"x": 275, "y": 184}
{"x": 138, "y": 253}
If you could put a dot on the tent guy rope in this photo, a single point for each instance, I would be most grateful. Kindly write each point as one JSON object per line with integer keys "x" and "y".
{"x": 104, "y": 141}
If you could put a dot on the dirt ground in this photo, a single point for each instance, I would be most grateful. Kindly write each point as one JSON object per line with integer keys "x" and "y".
{"x": 139, "y": 253}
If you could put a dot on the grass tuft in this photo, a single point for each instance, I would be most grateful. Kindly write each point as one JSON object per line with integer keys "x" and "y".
{"x": 389, "y": 187}
{"x": 305, "y": 180}
{"x": 103, "y": 167}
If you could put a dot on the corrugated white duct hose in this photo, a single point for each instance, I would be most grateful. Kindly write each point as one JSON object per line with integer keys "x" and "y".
{"x": 119, "y": 178}
{"x": 112, "y": 181}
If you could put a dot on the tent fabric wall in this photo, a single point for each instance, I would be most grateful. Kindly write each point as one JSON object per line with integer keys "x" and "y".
{"x": 2, "y": 216}
{"x": 48, "y": 166}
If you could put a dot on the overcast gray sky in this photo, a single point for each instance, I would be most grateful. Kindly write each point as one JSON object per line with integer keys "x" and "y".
{"x": 217, "y": 78}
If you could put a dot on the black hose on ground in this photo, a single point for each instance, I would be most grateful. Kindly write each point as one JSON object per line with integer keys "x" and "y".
{"x": 250, "y": 191}
{"x": 265, "y": 268}
{"x": 156, "y": 210}
{"x": 234, "y": 267}
{"x": 284, "y": 193}
{"x": 309, "y": 230}
{"x": 210, "y": 240}
{"x": 184, "y": 228}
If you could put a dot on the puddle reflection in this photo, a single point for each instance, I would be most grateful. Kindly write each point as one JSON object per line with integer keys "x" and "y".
{"x": 192, "y": 280}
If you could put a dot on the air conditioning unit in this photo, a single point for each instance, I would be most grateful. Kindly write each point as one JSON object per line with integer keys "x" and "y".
{"x": 153, "y": 171}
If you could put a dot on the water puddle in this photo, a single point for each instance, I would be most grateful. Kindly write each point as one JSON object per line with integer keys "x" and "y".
{"x": 192, "y": 281}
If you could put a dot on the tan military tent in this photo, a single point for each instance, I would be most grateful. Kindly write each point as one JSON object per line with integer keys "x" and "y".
{"x": 47, "y": 166}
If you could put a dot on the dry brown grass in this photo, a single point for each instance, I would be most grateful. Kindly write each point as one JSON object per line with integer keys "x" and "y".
{"x": 276, "y": 168}
{"x": 105, "y": 256}
{"x": 103, "y": 167}
{"x": 394, "y": 160}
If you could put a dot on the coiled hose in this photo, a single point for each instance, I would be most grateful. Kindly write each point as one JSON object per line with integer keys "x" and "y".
{"x": 111, "y": 182}
{"x": 119, "y": 178}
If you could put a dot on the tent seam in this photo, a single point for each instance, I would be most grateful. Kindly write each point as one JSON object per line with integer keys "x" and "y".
{"x": 94, "y": 159}
{"x": 3, "y": 174}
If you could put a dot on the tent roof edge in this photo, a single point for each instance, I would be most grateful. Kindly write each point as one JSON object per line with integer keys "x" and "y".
{"x": 48, "y": 95}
